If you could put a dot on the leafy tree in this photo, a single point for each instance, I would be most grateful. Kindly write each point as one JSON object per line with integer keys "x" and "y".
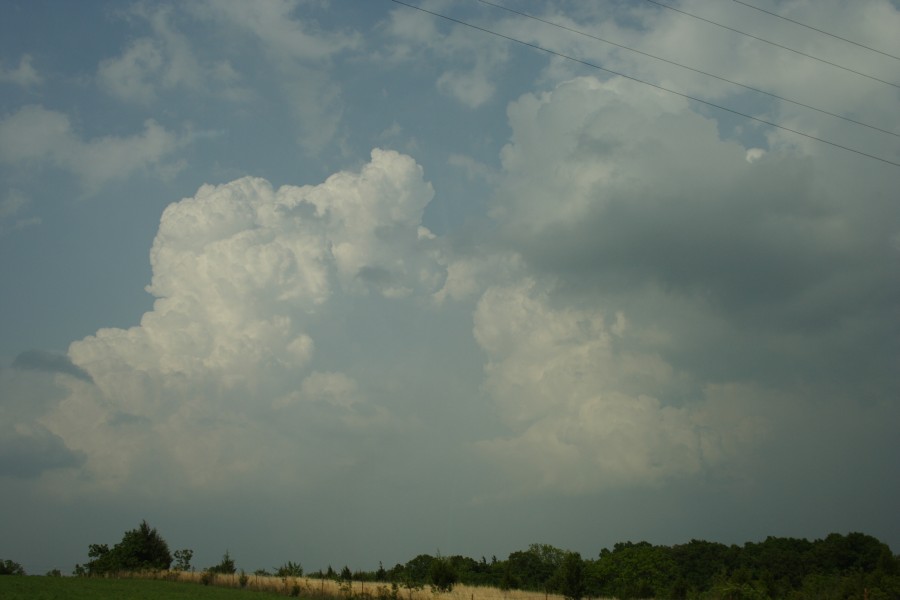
{"x": 381, "y": 574}
{"x": 569, "y": 577}
{"x": 632, "y": 570}
{"x": 143, "y": 549}
{"x": 533, "y": 569}
{"x": 697, "y": 563}
{"x": 101, "y": 560}
{"x": 442, "y": 575}
{"x": 472, "y": 572}
{"x": 779, "y": 564}
{"x": 417, "y": 569}
{"x": 508, "y": 581}
{"x": 9, "y": 567}
{"x": 852, "y": 552}
{"x": 183, "y": 559}
{"x": 346, "y": 575}
{"x": 140, "y": 549}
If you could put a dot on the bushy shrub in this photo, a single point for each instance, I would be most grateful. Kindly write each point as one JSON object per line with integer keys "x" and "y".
{"x": 384, "y": 592}
{"x": 290, "y": 569}
{"x": 225, "y": 567}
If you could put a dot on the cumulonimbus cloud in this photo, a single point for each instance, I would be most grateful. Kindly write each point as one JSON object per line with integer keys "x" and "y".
{"x": 625, "y": 201}
{"x": 584, "y": 413}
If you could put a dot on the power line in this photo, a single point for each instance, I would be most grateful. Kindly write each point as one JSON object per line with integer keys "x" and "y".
{"x": 659, "y": 87}
{"x": 677, "y": 64}
{"x": 776, "y": 44}
{"x": 837, "y": 37}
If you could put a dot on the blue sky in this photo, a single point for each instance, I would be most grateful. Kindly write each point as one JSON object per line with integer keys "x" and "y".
{"x": 342, "y": 282}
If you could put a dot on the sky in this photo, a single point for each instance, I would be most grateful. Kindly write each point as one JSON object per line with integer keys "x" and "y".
{"x": 341, "y": 281}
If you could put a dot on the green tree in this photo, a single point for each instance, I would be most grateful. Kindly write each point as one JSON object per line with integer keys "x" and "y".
{"x": 632, "y": 570}
{"x": 183, "y": 559}
{"x": 779, "y": 564}
{"x": 852, "y": 552}
{"x": 442, "y": 575}
{"x": 9, "y": 567}
{"x": 508, "y": 581}
{"x": 101, "y": 560}
{"x": 225, "y": 566}
{"x": 141, "y": 549}
{"x": 533, "y": 569}
{"x": 417, "y": 569}
{"x": 697, "y": 563}
{"x": 569, "y": 577}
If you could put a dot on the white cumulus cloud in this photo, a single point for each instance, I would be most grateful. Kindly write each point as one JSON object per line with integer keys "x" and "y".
{"x": 36, "y": 135}
{"x": 241, "y": 273}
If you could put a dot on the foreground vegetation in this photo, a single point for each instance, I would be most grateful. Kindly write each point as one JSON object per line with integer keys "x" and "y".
{"x": 838, "y": 567}
{"x": 94, "y": 588}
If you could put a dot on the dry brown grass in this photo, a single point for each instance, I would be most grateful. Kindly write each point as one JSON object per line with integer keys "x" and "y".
{"x": 469, "y": 592}
{"x": 359, "y": 590}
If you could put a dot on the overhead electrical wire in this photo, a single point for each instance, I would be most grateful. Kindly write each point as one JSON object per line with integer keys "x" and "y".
{"x": 677, "y": 64}
{"x": 837, "y": 37}
{"x": 659, "y": 87}
{"x": 776, "y": 44}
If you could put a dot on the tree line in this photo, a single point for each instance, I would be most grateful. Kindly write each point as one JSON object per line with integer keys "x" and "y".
{"x": 837, "y": 567}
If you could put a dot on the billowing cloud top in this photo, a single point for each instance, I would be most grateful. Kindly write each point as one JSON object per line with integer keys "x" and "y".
{"x": 240, "y": 271}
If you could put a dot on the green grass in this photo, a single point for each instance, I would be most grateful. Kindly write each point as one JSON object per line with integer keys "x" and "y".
{"x": 82, "y": 588}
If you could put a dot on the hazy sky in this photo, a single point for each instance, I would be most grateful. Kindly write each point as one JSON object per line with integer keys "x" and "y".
{"x": 342, "y": 282}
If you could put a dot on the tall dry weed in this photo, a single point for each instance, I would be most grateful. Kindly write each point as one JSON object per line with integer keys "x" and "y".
{"x": 328, "y": 589}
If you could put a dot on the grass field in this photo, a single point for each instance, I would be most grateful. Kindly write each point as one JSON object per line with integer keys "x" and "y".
{"x": 84, "y": 588}
{"x": 226, "y": 587}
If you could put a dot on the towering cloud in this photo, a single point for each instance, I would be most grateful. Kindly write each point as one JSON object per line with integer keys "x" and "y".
{"x": 241, "y": 271}
{"x": 681, "y": 300}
